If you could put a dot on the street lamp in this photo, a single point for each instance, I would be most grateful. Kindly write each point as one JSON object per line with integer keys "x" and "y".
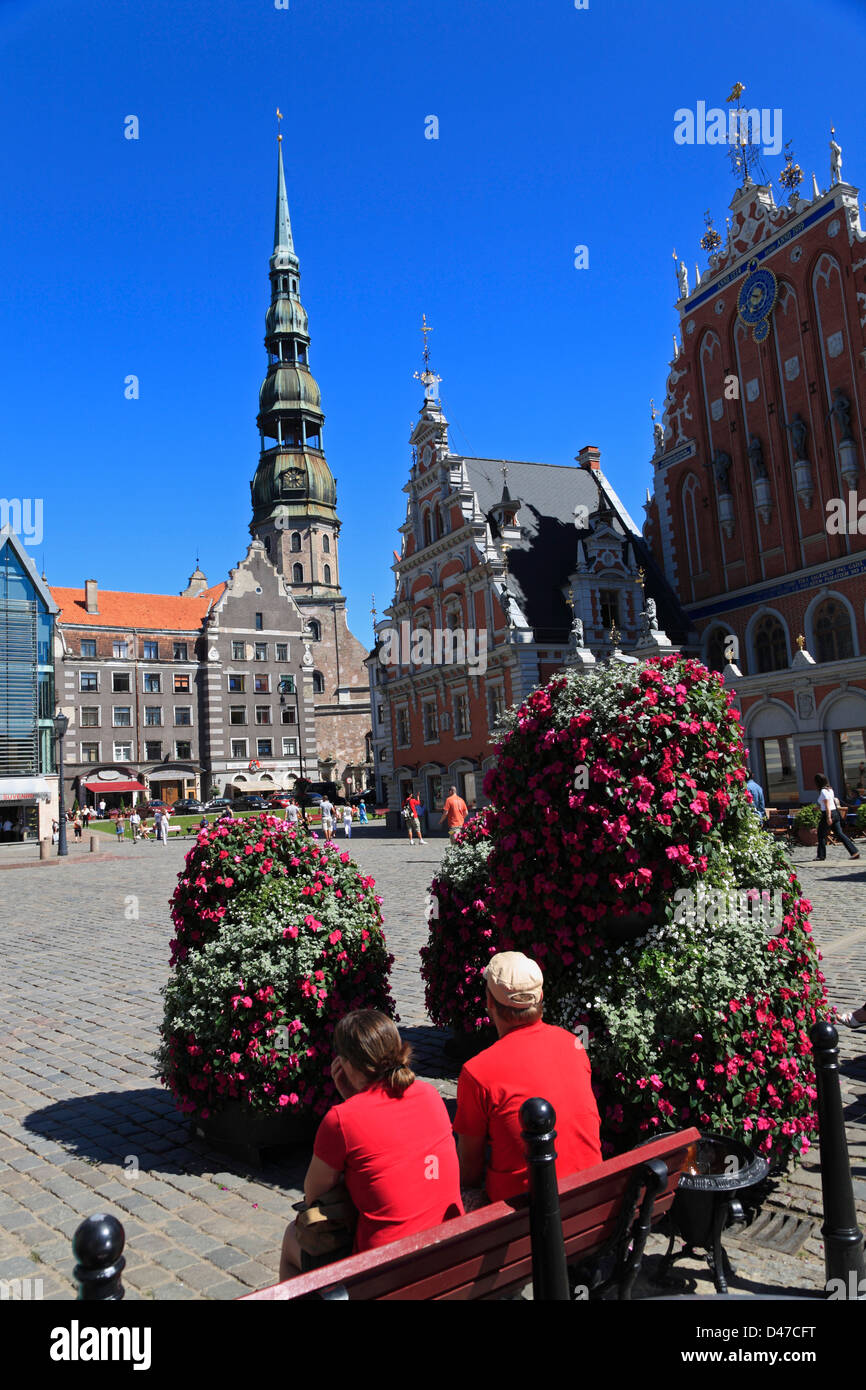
{"x": 285, "y": 689}
{"x": 61, "y": 724}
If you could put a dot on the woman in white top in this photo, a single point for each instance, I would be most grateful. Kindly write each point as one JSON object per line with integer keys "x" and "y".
{"x": 347, "y": 821}
{"x": 830, "y": 819}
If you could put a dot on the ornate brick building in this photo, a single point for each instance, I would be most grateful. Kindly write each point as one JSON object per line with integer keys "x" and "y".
{"x": 507, "y": 571}
{"x": 760, "y": 453}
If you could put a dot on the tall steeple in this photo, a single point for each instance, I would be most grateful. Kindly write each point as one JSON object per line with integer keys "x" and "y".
{"x": 293, "y": 488}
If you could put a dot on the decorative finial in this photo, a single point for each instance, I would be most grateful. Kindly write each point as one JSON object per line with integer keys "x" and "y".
{"x": 279, "y": 130}
{"x": 710, "y": 241}
{"x": 743, "y": 155}
{"x": 792, "y": 175}
{"x": 641, "y": 574}
{"x": 801, "y": 642}
{"x": 653, "y": 412}
{"x": 425, "y": 330}
{"x": 615, "y": 635}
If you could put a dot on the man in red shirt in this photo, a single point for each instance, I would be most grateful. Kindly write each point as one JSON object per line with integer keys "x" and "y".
{"x": 530, "y": 1058}
{"x": 454, "y": 812}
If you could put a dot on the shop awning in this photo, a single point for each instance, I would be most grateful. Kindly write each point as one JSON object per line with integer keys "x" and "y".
{"x": 181, "y": 774}
{"x": 114, "y": 787}
{"x": 24, "y": 789}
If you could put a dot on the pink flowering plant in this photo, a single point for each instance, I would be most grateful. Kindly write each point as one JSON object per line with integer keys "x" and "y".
{"x": 618, "y": 798}
{"x": 461, "y": 938}
{"x": 278, "y": 936}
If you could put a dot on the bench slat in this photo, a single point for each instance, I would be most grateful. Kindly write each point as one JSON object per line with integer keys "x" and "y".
{"x": 489, "y": 1250}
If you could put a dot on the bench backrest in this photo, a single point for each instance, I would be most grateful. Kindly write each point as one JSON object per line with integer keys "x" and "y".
{"x": 487, "y": 1253}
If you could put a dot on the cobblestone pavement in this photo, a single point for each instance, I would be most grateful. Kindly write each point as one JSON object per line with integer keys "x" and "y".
{"x": 84, "y": 1126}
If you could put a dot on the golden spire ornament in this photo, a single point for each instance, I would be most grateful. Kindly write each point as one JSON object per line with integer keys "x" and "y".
{"x": 279, "y": 130}
{"x": 710, "y": 241}
{"x": 801, "y": 642}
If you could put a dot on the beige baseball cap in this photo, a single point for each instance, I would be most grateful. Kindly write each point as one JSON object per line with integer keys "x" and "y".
{"x": 514, "y": 980}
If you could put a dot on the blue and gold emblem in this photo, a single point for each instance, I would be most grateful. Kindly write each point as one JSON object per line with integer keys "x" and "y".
{"x": 756, "y": 299}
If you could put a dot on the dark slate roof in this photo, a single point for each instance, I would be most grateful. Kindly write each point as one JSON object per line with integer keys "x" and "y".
{"x": 540, "y": 564}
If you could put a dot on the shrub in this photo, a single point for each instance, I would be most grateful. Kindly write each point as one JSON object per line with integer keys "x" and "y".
{"x": 278, "y": 937}
{"x": 460, "y": 940}
{"x": 616, "y": 794}
{"x": 808, "y": 817}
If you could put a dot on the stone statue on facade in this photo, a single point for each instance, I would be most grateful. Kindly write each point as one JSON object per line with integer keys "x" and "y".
{"x": 577, "y": 630}
{"x": 841, "y": 409}
{"x": 683, "y": 280}
{"x": 798, "y": 436}
{"x": 756, "y": 457}
{"x": 835, "y": 162}
{"x": 722, "y": 470}
{"x": 659, "y": 436}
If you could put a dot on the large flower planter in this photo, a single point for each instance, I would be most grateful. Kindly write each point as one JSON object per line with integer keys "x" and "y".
{"x": 807, "y": 836}
{"x": 248, "y": 1134}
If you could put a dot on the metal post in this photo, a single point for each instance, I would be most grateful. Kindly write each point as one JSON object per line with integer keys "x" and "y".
{"x": 62, "y": 847}
{"x": 97, "y": 1246}
{"x": 549, "y": 1270}
{"x": 843, "y": 1240}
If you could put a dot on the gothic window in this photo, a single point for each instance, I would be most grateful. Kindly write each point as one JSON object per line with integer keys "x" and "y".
{"x": 297, "y": 574}
{"x": 691, "y": 489}
{"x": 327, "y": 574}
{"x": 326, "y": 544}
{"x": 315, "y": 630}
{"x": 771, "y": 647}
{"x": 296, "y": 540}
{"x": 833, "y": 631}
{"x": 427, "y": 533}
{"x": 318, "y": 683}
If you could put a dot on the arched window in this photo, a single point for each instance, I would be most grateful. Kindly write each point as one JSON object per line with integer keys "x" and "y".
{"x": 440, "y": 528}
{"x": 427, "y": 533}
{"x": 298, "y": 574}
{"x": 327, "y": 574}
{"x": 716, "y": 658}
{"x": 691, "y": 489}
{"x": 832, "y": 626}
{"x": 296, "y": 540}
{"x": 318, "y": 683}
{"x": 326, "y": 543}
{"x": 315, "y": 630}
{"x": 771, "y": 647}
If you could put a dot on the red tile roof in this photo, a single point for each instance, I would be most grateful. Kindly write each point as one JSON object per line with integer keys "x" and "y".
{"x": 157, "y": 612}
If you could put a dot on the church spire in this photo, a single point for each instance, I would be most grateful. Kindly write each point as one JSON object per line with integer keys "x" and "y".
{"x": 282, "y": 223}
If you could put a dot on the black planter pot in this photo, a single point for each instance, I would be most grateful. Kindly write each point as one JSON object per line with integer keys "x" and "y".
{"x": 706, "y": 1200}
{"x": 249, "y": 1134}
{"x": 463, "y": 1045}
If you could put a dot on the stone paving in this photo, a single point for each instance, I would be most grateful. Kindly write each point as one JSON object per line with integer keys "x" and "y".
{"x": 84, "y": 1125}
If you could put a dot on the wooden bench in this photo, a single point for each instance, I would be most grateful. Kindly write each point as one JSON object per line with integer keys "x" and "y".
{"x": 606, "y": 1209}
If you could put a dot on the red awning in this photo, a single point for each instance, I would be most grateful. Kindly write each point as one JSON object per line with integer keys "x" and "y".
{"x": 114, "y": 787}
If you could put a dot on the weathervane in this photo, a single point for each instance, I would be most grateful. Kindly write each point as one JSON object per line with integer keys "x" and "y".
{"x": 430, "y": 379}
{"x": 279, "y": 130}
{"x": 744, "y": 154}
{"x": 792, "y": 175}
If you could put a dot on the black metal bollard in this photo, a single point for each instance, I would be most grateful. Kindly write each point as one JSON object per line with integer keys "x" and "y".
{"x": 549, "y": 1270}
{"x": 843, "y": 1240}
{"x": 97, "y": 1246}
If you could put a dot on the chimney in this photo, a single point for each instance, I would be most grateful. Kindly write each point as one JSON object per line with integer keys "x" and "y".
{"x": 90, "y": 596}
{"x": 590, "y": 458}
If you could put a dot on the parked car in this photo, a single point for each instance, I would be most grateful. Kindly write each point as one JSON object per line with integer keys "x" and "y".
{"x": 188, "y": 806}
{"x": 368, "y": 797}
{"x": 280, "y": 802}
{"x": 250, "y": 803}
{"x": 218, "y": 803}
{"x": 155, "y": 806}
{"x": 309, "y": 799}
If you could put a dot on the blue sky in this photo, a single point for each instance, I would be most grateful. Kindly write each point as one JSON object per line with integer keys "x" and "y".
{"x": 149, "y": 257}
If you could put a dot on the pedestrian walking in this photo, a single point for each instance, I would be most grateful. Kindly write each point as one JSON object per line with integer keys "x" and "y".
{"x": 292, "y": 813}
{"x": 119, "y": 827}
{"x": 102, "y": 809}
{"x": 362, "y": 812}
{"x": 347, "y": 821}
{"x": 759, "y": 806}
{"x": 410, "y": 817}
{"x": 454, "y": 812}
{"x": 163, "y": 826}
{"x": 76, "y": 825}
{"x": 135, "y": 825}
{"x": 327, "y": 810}
{"x": 830, "y": 819}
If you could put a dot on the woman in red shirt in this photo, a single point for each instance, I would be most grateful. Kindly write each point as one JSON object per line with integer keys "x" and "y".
{"x": 390, "y": 1140}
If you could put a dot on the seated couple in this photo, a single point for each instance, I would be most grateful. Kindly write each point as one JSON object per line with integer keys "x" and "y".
{"x": 391, "y": 1144}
